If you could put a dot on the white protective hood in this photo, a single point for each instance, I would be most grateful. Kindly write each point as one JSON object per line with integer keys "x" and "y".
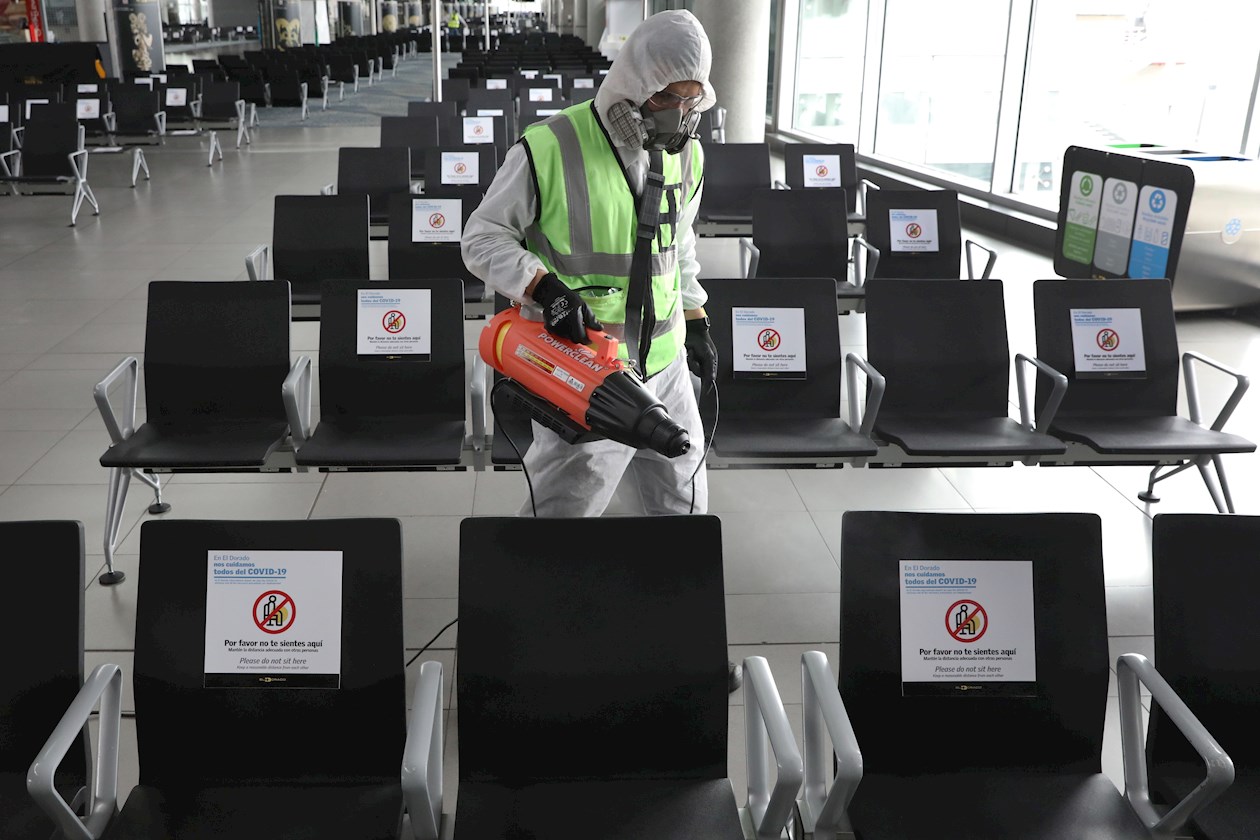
{"x": 667, "y": 47}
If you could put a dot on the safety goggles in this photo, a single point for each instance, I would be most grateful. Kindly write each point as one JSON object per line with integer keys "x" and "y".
{"x": 668, "y": 99}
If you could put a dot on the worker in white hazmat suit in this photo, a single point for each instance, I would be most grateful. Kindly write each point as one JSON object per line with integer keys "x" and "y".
{"x": 569, "y": 192}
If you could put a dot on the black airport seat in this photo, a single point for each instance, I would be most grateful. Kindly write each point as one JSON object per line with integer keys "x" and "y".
{"x": 732, "y": 173}
{"x": 376, "y": 172}
{"x": 918, "y": 234}
{"x": 431, "y": 253}
{"x": 391, "y": 397}
{"x": 444, "y": 163}
{"x": 425, "y": 108}
{"x": 417, "y": 133}
{"x": 827, "y": 166}
{"x": 802, "y": 233}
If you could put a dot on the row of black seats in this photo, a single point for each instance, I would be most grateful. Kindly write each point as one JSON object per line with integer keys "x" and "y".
{"x": 560, "y": 730}
{"x": 937, "y": 368}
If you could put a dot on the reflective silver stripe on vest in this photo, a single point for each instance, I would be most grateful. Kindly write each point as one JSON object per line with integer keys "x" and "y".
{"x": 618, "y": 331}
{"x": 612, "y": 265}
{"x": 686, "y": 172}
{"x": 574, "y": 167}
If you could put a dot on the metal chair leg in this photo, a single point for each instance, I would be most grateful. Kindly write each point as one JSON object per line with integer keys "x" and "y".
{"x": 115, "y": 503}
{"x": 153, "y": 481}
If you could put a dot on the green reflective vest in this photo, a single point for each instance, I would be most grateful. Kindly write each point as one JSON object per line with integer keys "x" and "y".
{"x": 587, "y": 217}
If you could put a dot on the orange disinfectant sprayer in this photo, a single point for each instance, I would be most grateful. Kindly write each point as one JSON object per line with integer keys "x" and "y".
{"x": 583, "y": 392}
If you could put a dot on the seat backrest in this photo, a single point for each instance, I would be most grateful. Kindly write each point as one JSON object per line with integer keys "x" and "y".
{"x": 801, "y": 233}
{"x": 1096, "y": 394}
{"x": 218, "y": 100}
{"x": 135, "y": 108}
{"x": 942, "y": 346}
{"x": 732, "y": 171}
{"x": 442, "y": 165}
{"x": 482, "y": 98}
{"x": 376, "y": 384}
{"x": 770, "y": 381}
{"x": 918, "y": 233}
{"x": 215, "y": 351}
{"x": 410, "y": 259}
{"x": 620, "y": 672}
{"x": 828, "y": 165}
{"x": 908, "y": 722}
{"x": 475, "y": 131}
{"x": 456, "y": 90}
{"x": 44, "y": 671}
{"x": 1205, "y": 581}
{"x": 376, "y": 172}
{"x": 435, "y": 109}
{"x": 340, "y": 250}
{"x": 417, "y": 133}
{"x": 50, "y": 137}
{"x": 188, "y": 661}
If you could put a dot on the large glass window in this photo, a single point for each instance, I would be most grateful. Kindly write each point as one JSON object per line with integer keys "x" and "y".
{"x": 830, "y": 48}
{"x": 1107, "y": 72}
{"x": 940, "y": 85}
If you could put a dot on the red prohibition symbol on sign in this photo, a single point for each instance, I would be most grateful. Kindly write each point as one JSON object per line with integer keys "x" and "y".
{"x": 479, "y": 129}
{"x": 966, "y": 621}
{"x": 913, "y": 230}
{"x": 769, "y": 339}
{"x": 274, "y": 611}
{"x": 394, "y": 321}
{"x": 461, "y": 168}
{"x": 437, "y": 220}
{"x": 822, "y": 170}
{"x": 1108, "y": 339}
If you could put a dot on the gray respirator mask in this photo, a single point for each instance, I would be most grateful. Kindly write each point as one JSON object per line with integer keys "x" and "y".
{"x": 656, "y": 131}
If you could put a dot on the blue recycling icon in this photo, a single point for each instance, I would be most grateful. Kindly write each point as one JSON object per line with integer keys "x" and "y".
{"x": 1234, "y": 226}
{"x": 1158, "y": 201}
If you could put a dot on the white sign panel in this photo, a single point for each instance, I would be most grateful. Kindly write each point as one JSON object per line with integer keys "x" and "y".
{"x": 1107, "y": 343}
{"x": 540, "y": 94}
{"x": 489, "y": 112}
{"x": 460, "y": 167}
{"x": 1152, "y": 232}
{"x": 1115, "y": 225}
{"x": 529, "y": 74}
{"x": 821, "y": 170}
{"x": 583, "y": 83}
{"x": 547, "y": 112}
{"x": 768, "y": 342}
{"x": 966, "y": 623}
{"x": 478, "y": 129}
{"x": 31, "y": 103}
{"x": 86, "y": 88}
{"x": 496, "y": 84}
{"x": 914, "y": 230}
{"x": 87, "y": 109}
{"x": 4, "y": 113}
{"x": 177, "y": 97}
{"x": 273, "y": 619}
{"x": 436, "y": 219}
{"x": 395, "y": 322}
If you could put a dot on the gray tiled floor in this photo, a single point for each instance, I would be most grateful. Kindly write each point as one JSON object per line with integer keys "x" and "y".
{"x": 72, "y": 304}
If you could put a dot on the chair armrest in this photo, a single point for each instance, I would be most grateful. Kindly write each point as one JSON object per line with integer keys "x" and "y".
{"x": 1025, "y": 398}
{"x": 1192, "y": 388}
{"x": 477, "y": 393}
{"x": 779, "y": 185}
{"x": 862, "y": 276}
{"x": 328, "y": 189}
{"x": 11, "y": 172}
{"x": 111, "y": 121}
{"x": 765, "y": 720}
{"x": 749, "y": 255}
{"x": 865, "y": 185}
{"x": 828, "y": 733}
{"x": 19, "y": 134}
{"x": 256, "y": 263}
{"x": 422, "y": 755}
{"x": 988, "y": 265}
{"x": 119, "y": 427}
{"x": 104, "y": 684}
{"x": 878, "y": 385}
{"x": 160, "y": 119}
{"x": 1132, "y": 671}
{"x": 296, "y": 393}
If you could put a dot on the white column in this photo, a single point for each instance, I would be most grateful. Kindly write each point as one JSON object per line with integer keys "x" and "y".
{"x": 596, "y": 11}
{"x": 579, "y": 20}
{"x": 740, "y": 64}
{"x": 91, "y": 15}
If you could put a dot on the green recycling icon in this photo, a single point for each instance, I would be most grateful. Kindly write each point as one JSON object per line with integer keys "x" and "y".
{"x": 1087, "y": 185}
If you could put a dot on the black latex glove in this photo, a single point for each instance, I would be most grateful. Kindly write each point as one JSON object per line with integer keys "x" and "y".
{"x": 702, "y": 355}
{"x": 565, "y": 314}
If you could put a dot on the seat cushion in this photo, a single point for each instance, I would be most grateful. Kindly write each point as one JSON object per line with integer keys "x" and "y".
{"x": 363, "y": 812}
{"x": 1234, "y": 815}
{"x": 998, "y": 805}
{"x": 243, "y": 443}
{"x": 965, "y": 436}
{"x": 823, "y": 437}
{"x": 383, "y": 442}
{"x": 609, "y": 810}
{"x": 1142, "y": 435}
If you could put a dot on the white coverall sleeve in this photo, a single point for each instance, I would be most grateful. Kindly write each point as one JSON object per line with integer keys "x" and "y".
{"x": 492, "y": 241}
{"x": 693, "y": 294}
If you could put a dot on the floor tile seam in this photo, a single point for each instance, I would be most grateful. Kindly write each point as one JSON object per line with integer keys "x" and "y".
{"x": 41, "y": 457}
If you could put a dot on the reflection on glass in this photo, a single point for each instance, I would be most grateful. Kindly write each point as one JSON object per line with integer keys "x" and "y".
{"x": 832, "y": 40}
{"x": 940, "y": 85}
{"x": 1106, "y": 72}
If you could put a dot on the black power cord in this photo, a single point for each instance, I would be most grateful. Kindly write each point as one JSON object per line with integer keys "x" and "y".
{"x": 448, "y": 626}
